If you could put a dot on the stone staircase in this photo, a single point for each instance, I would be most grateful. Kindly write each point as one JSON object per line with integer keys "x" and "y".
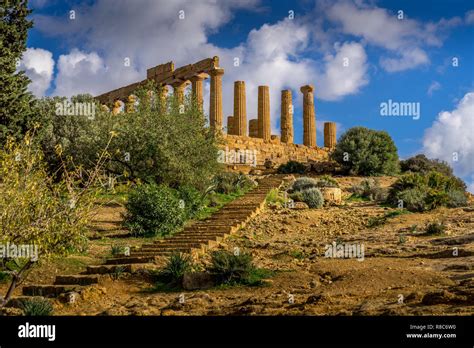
{"x": 194, "y": 239}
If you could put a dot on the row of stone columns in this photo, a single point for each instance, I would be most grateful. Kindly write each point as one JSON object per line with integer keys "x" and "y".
{"x": 215, "y": 111}
{"x": 261, "y": 128}
{"x": 237, "y": 124}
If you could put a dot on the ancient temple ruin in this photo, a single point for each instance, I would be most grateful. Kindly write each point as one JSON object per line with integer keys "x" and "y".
{"x": 255, "y": 134}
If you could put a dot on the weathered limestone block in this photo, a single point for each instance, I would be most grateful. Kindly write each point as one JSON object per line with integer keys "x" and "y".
{"x": 332, "y": 195}
{"x": 286, "y": 117}
{"x": 163, "y": 95}
{"x": 215, "y": 105}
{"x": 264, "y": 130}
{"x": 309, "y": 118}
{"x": 329, "y": 135}
{"x": 240, "y": 108}
{"x": 253, "y": 128}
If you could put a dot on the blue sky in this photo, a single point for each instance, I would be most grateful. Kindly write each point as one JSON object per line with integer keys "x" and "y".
{"x": 408, "y": 59}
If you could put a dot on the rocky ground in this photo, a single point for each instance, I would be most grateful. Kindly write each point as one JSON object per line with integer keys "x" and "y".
{"x": 402, "y": 271}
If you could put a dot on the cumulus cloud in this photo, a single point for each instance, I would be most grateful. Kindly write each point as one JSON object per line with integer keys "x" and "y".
{"x": 38, "y": 65}
{"x": 451, "y": 137}
{"x": 345, "y": 72}
{"x": 404, "y": 39}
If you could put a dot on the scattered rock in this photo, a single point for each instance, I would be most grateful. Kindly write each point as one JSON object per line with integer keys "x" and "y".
{"x": 437, "y": 297}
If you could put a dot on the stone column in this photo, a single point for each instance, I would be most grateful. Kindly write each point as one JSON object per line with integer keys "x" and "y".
{"x": 330, "y": 135}
{"x": 309, "y": 118}
{"x": 162, "y": 96}
{"x": 240, "y": 109}
{"x": 197, "y": 87}
{"x": 117, "y": 107}
{"x": 215, "y": 105}
{"x": 286, "y": 121}
{"x": 130, "y": 106}
{"x": 230, "y": 125}
{"x": 264, "y": 130}
{"x": 179, "y": 91}
{"x": 253, "y": 128}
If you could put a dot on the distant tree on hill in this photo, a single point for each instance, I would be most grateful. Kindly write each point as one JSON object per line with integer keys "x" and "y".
{"x": 363, "y": 151}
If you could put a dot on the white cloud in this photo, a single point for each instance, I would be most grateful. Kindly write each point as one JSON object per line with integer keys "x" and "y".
{"x": 408, "y": 59}
{"x": 405, "y": 38}
{"x": 451, "y": 134}
{"x": 38, "y": 65}
{"x": 345, "y": 72}
{"x": 469, "y": 18}
{"x": 435, "y": 85}
{"x": 81, "y": 72}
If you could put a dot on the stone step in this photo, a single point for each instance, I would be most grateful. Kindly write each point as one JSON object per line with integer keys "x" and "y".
{"x": 50, "y": 290}
{"x": 157, "y": 253}
{"x": 129, "y": 259}
{"x": 124, "y": 268}
{"x": 181, "y": 244}
{"x": 200, "y": 235}
{"x": 174, "y": 247}
{"x": 76, "y": 280}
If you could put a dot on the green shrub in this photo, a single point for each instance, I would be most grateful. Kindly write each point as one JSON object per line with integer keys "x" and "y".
{"x": 192, "y": 199}
{"x": 369, "y": 189}
{"x": 421, "y": 164}
{"x": 457, "y": 198}
{"x": 435, "y": 228}
{"x": 4, "y": 277}
{"x": 173, "y": 272}
{"x": 420, "y": 192}
{"x": 313, "y": 197}
{"x": 170, "y": 146}
{"x": 37, "y": 307}
{"x": 232, "y": 182}
{"x": 275, "y": 197}
{"x": 327, "y": 181}
{"x": 297, "y": 196}
{"x": 292, "y": 167}
{"x": 229, "y": 268}
{"x": 154, "y": 210}
{"x": 413, "y": 199}
{"x": 303, "y": 183}
{"x": 362, "y": 151}
{"x": 116, "y": 250}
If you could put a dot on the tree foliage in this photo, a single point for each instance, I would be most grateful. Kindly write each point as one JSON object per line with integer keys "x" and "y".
{"x": 15, "y": 100}
{"x": 49, "y": 217}
{"x": 168, "y": 145}
{"x": 363, "y": 151}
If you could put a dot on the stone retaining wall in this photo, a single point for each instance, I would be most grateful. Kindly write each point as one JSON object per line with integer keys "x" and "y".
{"x": 246, "y": 152}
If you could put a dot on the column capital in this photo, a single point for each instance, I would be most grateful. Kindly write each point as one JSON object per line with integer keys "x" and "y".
{"x": 216, "y": 72}
{"x": 198, "y": 77}
{"x": 180, "y": 84}
{"x": 307, "y": 88}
